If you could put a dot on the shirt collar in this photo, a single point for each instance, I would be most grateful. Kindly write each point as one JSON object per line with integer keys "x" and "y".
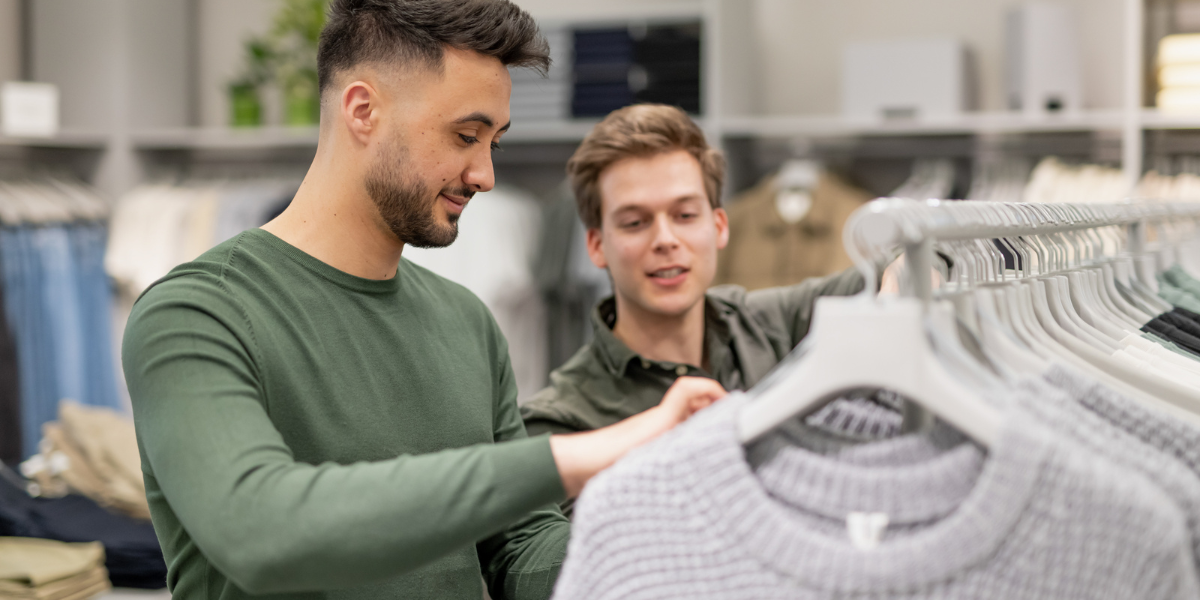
{"x": 616, "y": 356}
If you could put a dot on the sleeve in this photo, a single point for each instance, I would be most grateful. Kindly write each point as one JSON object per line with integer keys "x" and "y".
{"x": 523, "y": 561}
{"x": 270, "y": 523}
{"x": 790, "y": 308}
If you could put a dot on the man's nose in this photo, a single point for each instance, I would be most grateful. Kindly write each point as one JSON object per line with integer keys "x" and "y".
{"x": 479, "y": 175}
{"x": 664, "y": 233}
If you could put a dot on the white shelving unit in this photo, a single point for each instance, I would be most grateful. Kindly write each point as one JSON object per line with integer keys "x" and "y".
{"x": 730, "y": 81}
{"x": 68, "y": 139}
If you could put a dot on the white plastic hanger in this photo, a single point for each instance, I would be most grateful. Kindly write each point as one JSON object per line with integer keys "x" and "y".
{"x": 873, "y": 343}
{"x": 867, "y": 343}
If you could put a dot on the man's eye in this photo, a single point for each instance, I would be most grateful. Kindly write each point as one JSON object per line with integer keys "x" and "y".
{"x": 630, "y": 224}
{"x": 470, "y": 139}
{"x": 687, "y": 216}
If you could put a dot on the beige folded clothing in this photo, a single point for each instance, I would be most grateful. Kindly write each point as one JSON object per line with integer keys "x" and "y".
{"x": 83, "y": 585}
{"x": 35, "y": 569}
{"x": 91, "y": 451}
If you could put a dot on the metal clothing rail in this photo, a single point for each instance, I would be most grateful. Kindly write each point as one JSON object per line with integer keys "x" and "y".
{"x": 915, "y": 226}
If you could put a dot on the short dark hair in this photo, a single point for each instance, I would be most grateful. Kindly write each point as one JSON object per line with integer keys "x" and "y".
{"x": 633, "y": 132}
{"x": 418, "y": 31}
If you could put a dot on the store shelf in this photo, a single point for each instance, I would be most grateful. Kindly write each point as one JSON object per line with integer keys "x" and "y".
{"x": 573, "y": 131}
{"x": 265, "y": 138}
{"x": 1152, "y": 119}
{"x": 533, "y": 132}
{"x": 226, "y": 138}
{"x": 966, "y": 124}
{"x": 66, "y": 139}
{"x": 132, "y": 594}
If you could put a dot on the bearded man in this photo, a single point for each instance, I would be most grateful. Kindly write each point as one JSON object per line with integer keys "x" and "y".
{"x": 320, "y": 418}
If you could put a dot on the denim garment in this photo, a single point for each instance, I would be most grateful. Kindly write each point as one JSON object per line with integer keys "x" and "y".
{"x": 58, "y": 302}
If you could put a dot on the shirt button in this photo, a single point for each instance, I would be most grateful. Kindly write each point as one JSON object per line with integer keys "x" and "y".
{"x": 645, "y": 364}
{"x": 681, "y": 370}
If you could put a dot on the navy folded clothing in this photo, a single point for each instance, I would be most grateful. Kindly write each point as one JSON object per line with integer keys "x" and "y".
{"x": 132, "y": 554}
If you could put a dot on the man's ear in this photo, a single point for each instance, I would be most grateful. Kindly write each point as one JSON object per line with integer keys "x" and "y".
{"x": 359, "y": 109}
{"x": 721, "y": 220}
{"x": 595, "y": 247}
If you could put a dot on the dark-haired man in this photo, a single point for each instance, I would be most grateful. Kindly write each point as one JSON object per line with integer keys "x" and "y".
{"x": 318, "y": 417}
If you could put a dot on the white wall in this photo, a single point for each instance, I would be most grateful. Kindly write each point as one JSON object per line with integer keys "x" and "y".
{"x": 801, "y": 44}
{"x": 798, "y": 49}
{"x": 10, "y": 40}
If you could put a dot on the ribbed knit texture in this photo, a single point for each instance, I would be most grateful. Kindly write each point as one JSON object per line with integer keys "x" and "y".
{"x": 1069, "y": 420}
{"x": 1175, "y": 437}
{"x": 687, "y": 517}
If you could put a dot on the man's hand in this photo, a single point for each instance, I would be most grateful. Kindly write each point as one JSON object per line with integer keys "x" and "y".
{"x": 889, "y": 283}
{"x": 580, "y": 456}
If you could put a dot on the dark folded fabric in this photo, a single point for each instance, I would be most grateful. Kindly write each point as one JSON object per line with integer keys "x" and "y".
{"x": 132, "y": 554}
{"x": 1162, "y": 327}
{"x": 1184, "y": 324}
{"x": 1187, "y": 314}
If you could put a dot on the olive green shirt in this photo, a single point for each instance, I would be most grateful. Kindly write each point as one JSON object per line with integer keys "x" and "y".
{"x": 746, "y": 335}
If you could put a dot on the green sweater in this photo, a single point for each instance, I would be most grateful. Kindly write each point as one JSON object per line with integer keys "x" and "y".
{"x": 313, "y": 433}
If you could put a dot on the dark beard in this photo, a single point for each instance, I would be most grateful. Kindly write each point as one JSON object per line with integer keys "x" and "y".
{"x": 406, "y": 206}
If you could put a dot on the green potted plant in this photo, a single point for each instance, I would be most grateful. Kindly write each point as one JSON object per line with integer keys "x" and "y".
{"x": 245, "y": 92}
{"x": 294, "y": 36}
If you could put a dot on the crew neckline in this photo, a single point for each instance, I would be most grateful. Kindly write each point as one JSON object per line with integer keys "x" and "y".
{"x": 331, "y": 273}
{"x": 768, "y": 530}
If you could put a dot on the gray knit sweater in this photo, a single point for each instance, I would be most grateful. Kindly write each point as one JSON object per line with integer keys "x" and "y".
{"x": 1062, "y": 414}
{"x": 687, "y": 517}
{"x": 1167, "y": 434}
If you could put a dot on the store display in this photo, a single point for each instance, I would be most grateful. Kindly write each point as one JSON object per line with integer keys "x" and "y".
{"x": 616, "y": 67}
{"x": 906, "y": 79}
{"x": 33, "y": 569}
{"x": 131, "y": 552}
{"x": 765, "y": 250}
{"x": 1043, "y": 67}
{"x": 1092, "y": 358}
{"x": 1178, "y": 64}
{"x": 92, "y": 452}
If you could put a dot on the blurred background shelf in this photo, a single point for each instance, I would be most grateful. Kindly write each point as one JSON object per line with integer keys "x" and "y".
{"x": 68, "y": 139}
{"x": 966, "y": 124}
{"x": 226, "y": 138}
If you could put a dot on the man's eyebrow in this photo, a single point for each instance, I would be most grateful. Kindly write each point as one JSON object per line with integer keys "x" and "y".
{"x": 478, "y": 117}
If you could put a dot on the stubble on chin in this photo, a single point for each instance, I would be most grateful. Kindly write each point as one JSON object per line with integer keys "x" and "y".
{"x": 405, "y": 205}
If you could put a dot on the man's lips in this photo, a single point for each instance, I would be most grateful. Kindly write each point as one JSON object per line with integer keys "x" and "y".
{"x": 453, "y": 203}
{"x": 669, "y": 276}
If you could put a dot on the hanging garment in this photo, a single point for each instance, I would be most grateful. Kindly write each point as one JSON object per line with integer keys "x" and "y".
{"x": 687, "y": 516}
{"x": 493, "y": 257}
{"x": 33, "y": 569}
{"x": 132, "y": 554}
{"x": 11, "y": 447}
{"x": 1171, "y": 436}
{"x": 58, "y": 302}
{"x": 766, "y": 251}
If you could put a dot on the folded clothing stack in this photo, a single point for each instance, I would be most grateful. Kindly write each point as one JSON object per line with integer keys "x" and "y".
{"x": 131, "y": 551}
{"x": 616, "y": 67}
{"x": 33, "y": 569}
{"x": 538, "y": 98}
{"x": 91, "y": 451}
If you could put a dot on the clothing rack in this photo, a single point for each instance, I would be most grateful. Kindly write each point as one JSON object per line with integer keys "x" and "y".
{"x": 916, "y": 226}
